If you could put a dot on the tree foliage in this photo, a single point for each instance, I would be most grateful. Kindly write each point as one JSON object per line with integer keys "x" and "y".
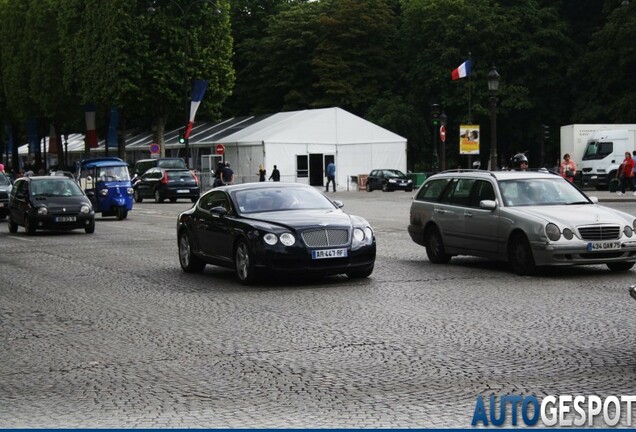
{"x": 560, "y": 62}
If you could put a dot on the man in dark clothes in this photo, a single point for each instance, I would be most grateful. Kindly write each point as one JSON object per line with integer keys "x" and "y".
{"x": 275, "y": 174}
{"x": 227, "y": 175}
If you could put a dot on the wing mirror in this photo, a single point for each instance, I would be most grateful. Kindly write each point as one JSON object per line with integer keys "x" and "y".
{"x": 488, "y": 204}
{"x": 221, "y": 211}
{"x": 338, "y": 203}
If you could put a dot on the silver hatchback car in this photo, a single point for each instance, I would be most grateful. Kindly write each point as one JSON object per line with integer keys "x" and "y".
{"x": 528, "y": 219}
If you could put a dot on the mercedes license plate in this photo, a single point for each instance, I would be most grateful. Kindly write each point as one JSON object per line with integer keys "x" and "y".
{"x": 603, "y": 246}
{"x": 65, "y": 219}
{"x": 183, "y": 191}
{"x": 328, "y": 253}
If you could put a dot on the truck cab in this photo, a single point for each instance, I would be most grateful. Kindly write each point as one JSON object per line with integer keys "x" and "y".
{"x": 604, "y": 152}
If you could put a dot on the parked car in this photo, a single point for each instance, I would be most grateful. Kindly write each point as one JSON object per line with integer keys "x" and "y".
{"x": 388, "y": 180}
{"x": 528, "y": 219}
{"x": 164, "y": 183}
{"x": 143, "y": 165}
{"x": 260, "y": 228}
{"x": 632, "y": 291}
{"x": 49, "y": 203}
{"x": 5, "y": 190}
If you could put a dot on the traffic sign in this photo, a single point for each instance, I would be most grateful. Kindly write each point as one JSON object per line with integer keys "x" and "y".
{"x": 220, "y": 149}
{"x": 154, "y": 148}
{"x": 442, "y": 133}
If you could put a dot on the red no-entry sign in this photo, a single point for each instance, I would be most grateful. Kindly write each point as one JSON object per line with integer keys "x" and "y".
{"x": 442, "y": 133}
{"x": 220, "y": 149}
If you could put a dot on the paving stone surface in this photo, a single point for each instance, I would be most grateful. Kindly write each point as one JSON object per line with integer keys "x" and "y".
{"x": 105, "y": 331}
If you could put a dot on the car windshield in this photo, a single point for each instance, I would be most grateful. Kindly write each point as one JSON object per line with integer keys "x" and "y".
{"x": 65, "y": 188}
{"x": 171, "y": 163}
{"x": 540, "y": 191}
{"x": 393, "y": 173}
{"x": 113, "y": 173}
{"x": 4, "y": 180}
{"x": 280, "y": 199}
{"x": 179, "y": 175}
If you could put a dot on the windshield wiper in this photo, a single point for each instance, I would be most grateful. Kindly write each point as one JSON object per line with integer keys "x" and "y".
{"x": 578, "y": 202}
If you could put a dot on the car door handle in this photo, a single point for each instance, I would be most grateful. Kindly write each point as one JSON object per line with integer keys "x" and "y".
{"x": 468, "y": 214}
{"x": 439, "y": 211}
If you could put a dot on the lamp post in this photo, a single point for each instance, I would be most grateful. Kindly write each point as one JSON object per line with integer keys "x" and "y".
{"x": 442, "y": 119}
{"x": 435, "y": 112}
{"x": 493, "y": 87}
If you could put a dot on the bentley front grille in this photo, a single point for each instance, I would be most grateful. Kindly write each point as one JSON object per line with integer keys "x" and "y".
{"x": 326, "y": 237}
{"x": 600, "y": 232}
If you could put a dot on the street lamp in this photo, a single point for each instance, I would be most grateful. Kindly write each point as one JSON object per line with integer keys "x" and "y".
{"x": 435, "y": 113}
{"x": 443, "y": 118}
{"x": 493, "y": 87}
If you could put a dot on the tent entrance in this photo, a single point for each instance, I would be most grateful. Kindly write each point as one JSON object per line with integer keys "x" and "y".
{"x": 316, "y": 170}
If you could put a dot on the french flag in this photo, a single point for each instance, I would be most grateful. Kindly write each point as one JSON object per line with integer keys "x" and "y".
{"x": 197, "y": 96}
{"x": 462, "y": 71}
{"x": 91, "y": 131}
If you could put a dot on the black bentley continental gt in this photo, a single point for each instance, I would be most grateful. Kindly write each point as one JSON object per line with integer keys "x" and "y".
{"x": 260, "y": 228}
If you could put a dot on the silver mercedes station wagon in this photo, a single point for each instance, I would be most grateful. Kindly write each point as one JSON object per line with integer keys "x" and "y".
{"x": 528, "y": 219}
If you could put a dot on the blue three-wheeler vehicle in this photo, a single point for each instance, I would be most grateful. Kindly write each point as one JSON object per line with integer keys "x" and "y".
{"x": 106, "y": 182}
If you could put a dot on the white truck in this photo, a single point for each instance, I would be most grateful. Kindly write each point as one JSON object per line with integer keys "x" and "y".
{"x": 598, "y": 149}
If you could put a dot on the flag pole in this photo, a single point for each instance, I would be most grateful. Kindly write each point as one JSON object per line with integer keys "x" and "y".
{"x": 470, "y": 117}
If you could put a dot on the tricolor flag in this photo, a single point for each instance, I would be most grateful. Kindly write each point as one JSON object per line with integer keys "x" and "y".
{"x": 462, "y": 71}
{"x": 91, "y": 132}
{"x": 113, "y": 123}
{"x": 197, "y": 96}
{"x": 52, "y": 140}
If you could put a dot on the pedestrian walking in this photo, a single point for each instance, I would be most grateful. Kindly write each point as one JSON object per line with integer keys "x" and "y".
{"x": 331, "y": 176}
{"x": 275, "y": 174}
{"x": 567, "y": 168}
{"x": 261, "y": 173}
{"x": 626, "y": 174}
{"x": 227, "y": 175}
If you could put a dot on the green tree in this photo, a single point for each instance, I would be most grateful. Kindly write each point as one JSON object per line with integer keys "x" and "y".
{"x": 356, "y": 56}
{"x": 604, "y": 77}
{"x": 527, "y": 43}
{"x": 143, "y": 56}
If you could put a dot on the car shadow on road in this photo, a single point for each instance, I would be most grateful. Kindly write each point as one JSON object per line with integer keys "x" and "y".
{"x": 225, "y": 280}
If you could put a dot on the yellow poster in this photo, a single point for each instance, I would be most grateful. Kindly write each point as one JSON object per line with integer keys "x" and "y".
{"x": 469, "y": 139}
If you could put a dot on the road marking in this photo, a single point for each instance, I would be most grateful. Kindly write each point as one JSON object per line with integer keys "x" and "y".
{"x": 21, "y": 238}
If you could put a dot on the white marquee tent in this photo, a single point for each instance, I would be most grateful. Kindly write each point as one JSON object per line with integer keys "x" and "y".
{"x": 301, "y": 143}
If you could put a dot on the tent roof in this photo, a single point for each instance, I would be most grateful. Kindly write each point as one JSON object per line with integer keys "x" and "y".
{"x": 327, "y": 125}
{"x": 315, "y": 126}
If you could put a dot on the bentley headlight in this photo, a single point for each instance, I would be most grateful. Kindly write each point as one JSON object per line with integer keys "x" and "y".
{"x": 568, "y": 234}
{"x": 392, "y": 181}
{"x": 85, "y": 209}
{"x": 103, "y": 192}
{"x": 130, "y": 191}
{"x": 368, "y": 232}
{"x": 287, "y": 239}
{"x": 43, "y": 211}
{"x": 553, "y": 232}
{"x": 270, "y": 239}
{"x": 361, "y": 237}
{"x": 628, "y": 231}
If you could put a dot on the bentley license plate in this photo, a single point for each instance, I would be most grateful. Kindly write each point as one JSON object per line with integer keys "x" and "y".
{"x": 328, "y": 253}
{"x": 183, "y": 191}
{"x": 65, "y": 219}
{"x": 603, "y": 246}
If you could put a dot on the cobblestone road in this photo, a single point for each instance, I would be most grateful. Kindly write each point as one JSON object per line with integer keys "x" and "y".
{"x": 105, "y": 330}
